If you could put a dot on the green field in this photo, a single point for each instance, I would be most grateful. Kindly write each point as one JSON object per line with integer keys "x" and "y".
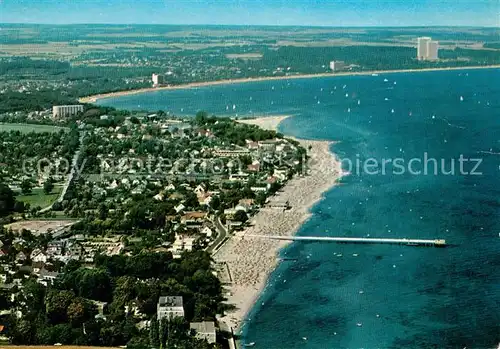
{"x": 39, "y": 198}
{"x": 27, "y": 128}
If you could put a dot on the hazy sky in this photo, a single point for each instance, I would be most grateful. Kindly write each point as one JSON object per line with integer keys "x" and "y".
{"x": 256, "y": 12}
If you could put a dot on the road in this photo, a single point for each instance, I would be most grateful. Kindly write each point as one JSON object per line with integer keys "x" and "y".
{"x": 72, "y": 173}
{"x": 222, "y": 233}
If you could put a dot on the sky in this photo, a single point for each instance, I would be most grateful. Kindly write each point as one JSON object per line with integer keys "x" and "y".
{"x": 256, "y": 12}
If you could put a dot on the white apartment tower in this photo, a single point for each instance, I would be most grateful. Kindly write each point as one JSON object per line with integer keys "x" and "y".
{"x": 337, "y": 65}
{"x": 157, "y": 79}
{"x": 427, "y": 50}
{"x": 66, "y": 110}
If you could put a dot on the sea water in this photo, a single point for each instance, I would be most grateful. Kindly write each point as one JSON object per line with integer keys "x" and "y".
{"x": 381, "y": 296}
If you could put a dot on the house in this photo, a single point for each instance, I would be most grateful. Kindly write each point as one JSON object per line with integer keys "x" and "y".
{"x": 254, "y": 166}
{"x": 21, "y": 257}
{"x": 268, "y": 145}
{"x": 247, "y": 204}
{"x": 38, "y": 256}
{"x": 193, "y": 218}
{"x": 74, "y": 250}
{"x": 259, "y": 189}
{"x": 252, "y": 145}
{"x": 204, "y": 330}
{"x": 205, "y": 199}
{"x": 169, "y": 307}
{"x": 158, "y": 197}
{"x": 54, "y": 249}
{"x": 207, "y": 231}
{"x": 200, "y": 190}
{"x": 179, "y": 208}
{"x": 45, "y": 277}
{"x": 241, "y": 176}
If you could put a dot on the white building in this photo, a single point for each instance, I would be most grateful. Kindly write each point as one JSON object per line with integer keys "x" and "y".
{"x": 427, "y": 49}
{"x": 337, "y": 65}
{"x": 66, "y": 110}
{"x": 432, "y": 50}
{"x": 170, "y": 307}
{"x": 204, "y": 330}
{"x": 157, "y": 79}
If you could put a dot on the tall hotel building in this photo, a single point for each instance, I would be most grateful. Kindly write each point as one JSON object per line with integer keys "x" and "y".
{"x": 427, "y": 50}
{"x": 66, "y": 110}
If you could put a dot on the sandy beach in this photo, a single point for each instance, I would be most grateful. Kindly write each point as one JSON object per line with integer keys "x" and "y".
{"x": 251, "y": 260}
{"x": 94, "y": 98}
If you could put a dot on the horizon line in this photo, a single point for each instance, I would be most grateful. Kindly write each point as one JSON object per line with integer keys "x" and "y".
{"x": 252, "y": 25}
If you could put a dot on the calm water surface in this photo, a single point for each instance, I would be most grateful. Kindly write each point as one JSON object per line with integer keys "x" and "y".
{"x": 375, "y": 296}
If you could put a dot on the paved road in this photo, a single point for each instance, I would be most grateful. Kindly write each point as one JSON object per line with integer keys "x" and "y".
{"x": 72, "y": 173}
{"x": 222, "y": 233}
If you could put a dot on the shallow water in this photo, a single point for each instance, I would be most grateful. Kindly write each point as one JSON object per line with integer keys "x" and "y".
{"x": 424, "y": 297}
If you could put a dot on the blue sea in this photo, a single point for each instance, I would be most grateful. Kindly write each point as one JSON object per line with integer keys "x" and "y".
{"x": 381, "y": 296}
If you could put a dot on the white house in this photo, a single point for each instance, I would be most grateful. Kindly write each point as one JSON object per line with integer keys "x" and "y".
{"x": 170, "y": 307}
{"x": 38, "y": 256}
{"x": 204, "y": 330}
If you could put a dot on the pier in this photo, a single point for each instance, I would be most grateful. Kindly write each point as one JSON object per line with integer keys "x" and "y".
{"x": 408, "y": 242}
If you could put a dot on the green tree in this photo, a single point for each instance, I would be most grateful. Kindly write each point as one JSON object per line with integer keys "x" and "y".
{"x": 48, "y": 186}
{"x": 7, "y": 200}
{"x": 240, "y": 216}
{"x": 26, "y": 186}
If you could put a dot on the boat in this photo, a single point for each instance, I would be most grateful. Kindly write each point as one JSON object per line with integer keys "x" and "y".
{"x": 249, "y": 344}
{"x": 359, "y": 324}
{"x": 385, "y": 80}
{"x": 374, "y": 74}
{"x": 354, "y": 254}
{"x": 339, "y": 255}
{"x": 461, "y": 98}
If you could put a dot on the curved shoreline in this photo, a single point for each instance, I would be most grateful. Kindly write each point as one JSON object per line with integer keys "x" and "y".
{"x": 251, "y": 261}
{"x": 94, "y": 98}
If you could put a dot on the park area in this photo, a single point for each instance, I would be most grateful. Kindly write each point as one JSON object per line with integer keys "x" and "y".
{"x": 38, "y": 198}
{"x": 27, "y": 128}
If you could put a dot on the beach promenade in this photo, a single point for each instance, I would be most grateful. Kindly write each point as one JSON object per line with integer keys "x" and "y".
{"x": 250, "y": 261}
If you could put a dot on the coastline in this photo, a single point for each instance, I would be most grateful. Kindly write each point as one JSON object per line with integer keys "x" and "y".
{"x": 94, "y": 98}
{"x": 251, "y": 260}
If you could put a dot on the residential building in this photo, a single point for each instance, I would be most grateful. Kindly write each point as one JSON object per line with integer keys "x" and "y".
{"x": 193, "y": 218}
{"x": 337, "y": 65}
{"x": 204, "y": 330}
{"x": 66, "y": 110}
{"x": 158, "y": 79}
{"x": 170, "y": 307}
{"x": 427, "y": 49}
{"x": 225, "y": 153}
{"x": 432, "y": 50}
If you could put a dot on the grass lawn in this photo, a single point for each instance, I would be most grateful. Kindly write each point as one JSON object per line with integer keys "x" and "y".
{"x": 26, "y": 128}
{"x": 39, "y": 198}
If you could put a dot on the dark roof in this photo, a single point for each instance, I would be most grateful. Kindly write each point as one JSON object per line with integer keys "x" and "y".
{"x": 170, "y": 301}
